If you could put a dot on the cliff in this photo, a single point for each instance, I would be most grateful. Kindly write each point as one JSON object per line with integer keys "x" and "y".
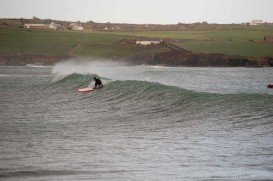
{"x": 180, "y": 57}
{"x": 174, "y": 57}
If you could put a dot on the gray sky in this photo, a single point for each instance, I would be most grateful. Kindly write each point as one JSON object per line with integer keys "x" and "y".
{"x": 141, "y": 11}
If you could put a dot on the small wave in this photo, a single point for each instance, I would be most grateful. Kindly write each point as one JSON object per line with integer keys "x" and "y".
{"x": 23, "y": 75}
{"x": 156, "y": 66}
{"x": 39, "y": 173}
{"x": 37, "y": 66}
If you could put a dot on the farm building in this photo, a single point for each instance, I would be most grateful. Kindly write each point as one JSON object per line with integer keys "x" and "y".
{"x": 35, "y": 26}
{"x": 76, "y": 26}
{"x": 268, "y": 39}
{"x": 256, "y": 22}
{"x": 149, "y": 41}
{"x": 54, "y": 26}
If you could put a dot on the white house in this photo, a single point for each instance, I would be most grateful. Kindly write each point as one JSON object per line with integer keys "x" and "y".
{"x": 35, "y": 26}
{"x": 53, "y": 25}
{"x": 148, "y": 42}
{"x": 256, "y": 22}
{"x": 76, "y": 26}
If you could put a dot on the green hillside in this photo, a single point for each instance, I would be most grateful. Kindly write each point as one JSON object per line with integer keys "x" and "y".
{"x": 14, "y": 41}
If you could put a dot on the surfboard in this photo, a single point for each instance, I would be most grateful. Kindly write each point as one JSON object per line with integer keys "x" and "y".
{"x": 87, "y": 89}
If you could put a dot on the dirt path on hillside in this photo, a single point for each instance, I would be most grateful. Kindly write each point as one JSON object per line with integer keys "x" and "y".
{"x": 175, "y": 47}
{"x": 73, "y": 49}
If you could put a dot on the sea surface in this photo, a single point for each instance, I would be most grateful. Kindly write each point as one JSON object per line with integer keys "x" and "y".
{"x": 146, "y": 123}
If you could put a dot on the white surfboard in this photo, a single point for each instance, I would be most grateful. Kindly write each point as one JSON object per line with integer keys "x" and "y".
{"x": 87, "y": 89}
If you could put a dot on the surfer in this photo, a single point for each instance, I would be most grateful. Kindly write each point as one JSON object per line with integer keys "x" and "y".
{"x": 270, "y": 86}
{"x": 98, "y": 83}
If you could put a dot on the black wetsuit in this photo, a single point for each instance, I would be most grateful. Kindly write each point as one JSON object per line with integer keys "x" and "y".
{"x": 97, "y": 82}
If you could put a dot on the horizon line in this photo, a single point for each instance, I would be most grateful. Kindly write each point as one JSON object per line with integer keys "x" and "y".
{"x": 130, "y": 22}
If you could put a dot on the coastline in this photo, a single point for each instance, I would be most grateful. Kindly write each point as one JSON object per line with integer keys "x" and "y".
{"x": 186, "y": 58}
{"x": 176, "y": 58}
{"x": 22, "y": 60}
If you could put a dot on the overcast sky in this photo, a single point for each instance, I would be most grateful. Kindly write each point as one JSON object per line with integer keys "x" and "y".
{"x": 141, "y": 11}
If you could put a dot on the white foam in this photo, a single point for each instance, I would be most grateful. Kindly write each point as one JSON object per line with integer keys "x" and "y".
{"x": 37, "y": 66}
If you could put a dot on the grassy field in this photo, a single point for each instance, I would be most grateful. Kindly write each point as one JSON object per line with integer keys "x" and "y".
{"x": 106, "y": 44}
{"x": 231, "y": 42}
{"x": 116, "y": 50}
{"x": 45, "y": 42}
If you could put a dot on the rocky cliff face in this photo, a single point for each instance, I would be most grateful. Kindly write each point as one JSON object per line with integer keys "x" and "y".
{"x": 175, "y": 57}
{"x": 186, "y": 58}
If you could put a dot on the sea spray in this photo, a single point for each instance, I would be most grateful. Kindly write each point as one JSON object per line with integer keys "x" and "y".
{"x": 101, "y": 68}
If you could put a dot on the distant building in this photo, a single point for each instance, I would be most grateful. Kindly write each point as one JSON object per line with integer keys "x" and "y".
{"x": 268, "y": 39}
{"x": 76, "y": 26}
{"x": 53, "y": 26}
{"x": 149, "y": 41}
{"x": 256, "y": 22}
{"x": 35, "y": 26}
{"x": 117, "y": 27}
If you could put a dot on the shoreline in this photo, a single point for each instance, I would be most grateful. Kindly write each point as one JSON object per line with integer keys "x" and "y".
{"x": 182, "y": 57}
{"x": 173, "y": 58}
{"x": 22, "y": 60}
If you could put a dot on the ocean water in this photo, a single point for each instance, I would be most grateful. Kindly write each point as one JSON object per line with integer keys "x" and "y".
{"x": 146, "y": 123}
